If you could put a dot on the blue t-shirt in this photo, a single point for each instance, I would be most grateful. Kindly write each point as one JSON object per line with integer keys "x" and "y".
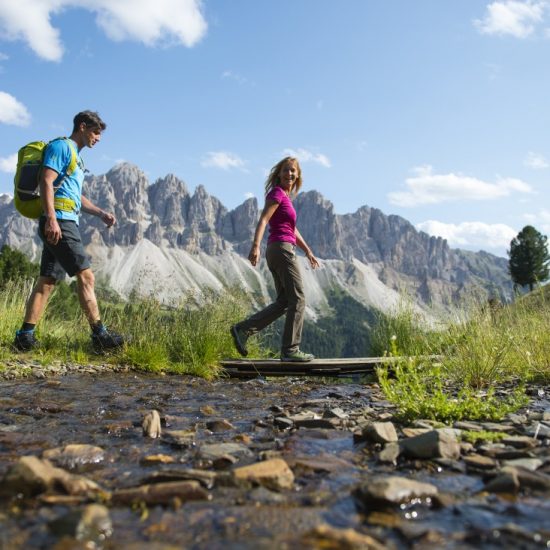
{"x": 57, "y": 156}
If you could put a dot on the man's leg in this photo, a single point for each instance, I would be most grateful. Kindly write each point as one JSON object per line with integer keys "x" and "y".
{"x": 36, "y": 304}
{"x": 102, "y": 338}
{"x": 85, "y": 282}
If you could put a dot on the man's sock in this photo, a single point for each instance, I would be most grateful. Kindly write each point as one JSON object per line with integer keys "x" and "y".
{"x": 27, "y": 327}
{"x": 98, "y": 327}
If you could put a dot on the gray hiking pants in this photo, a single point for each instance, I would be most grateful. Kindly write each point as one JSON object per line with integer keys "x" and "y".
{"x": 281, "y": 260}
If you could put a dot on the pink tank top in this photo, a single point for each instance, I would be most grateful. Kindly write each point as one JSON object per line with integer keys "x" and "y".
{"x": 282, "y": 225}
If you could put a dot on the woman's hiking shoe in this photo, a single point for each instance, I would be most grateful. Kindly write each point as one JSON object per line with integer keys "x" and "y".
{"x": 106, "y": 340}
{"x": 297, "y": 357}
{"x": 239, "y": 339}
{"x": 25, "y": 340}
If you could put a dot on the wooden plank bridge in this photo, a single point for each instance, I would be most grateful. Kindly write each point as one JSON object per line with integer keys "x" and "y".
{"x": 246, "y": 368}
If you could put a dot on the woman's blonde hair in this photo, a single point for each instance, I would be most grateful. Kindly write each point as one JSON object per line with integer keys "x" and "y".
{"x": 273, "y": 179}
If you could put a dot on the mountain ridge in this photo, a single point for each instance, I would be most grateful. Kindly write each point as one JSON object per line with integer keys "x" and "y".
{"x": 191, "y": 240}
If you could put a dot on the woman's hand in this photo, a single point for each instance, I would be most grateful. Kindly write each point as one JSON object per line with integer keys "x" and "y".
{"x": 313, "y": 261}
{"x": 254, "y": 255}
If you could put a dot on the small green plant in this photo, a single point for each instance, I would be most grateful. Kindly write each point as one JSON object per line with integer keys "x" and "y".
{"x": 420, "y": 390}
{"x": 481, "y": 436}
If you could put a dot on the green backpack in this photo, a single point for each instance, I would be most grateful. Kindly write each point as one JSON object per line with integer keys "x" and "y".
{"x": 26, "y": 194}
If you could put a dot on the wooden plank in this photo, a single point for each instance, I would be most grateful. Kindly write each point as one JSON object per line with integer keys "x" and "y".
{"x": 246, "y": 368}
{"x": 317, "y": 367}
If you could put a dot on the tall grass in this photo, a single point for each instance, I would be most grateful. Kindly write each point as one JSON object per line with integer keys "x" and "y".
{"x": 485, "y": 345}
{"x": 188, "y": 337}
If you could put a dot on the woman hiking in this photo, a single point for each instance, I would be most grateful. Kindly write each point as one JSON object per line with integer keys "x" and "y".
{"x": 283, "y": 184}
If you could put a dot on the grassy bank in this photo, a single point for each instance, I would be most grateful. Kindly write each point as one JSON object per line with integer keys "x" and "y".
{"x": 486, "y": 346}
{"x": 190, "y": 337}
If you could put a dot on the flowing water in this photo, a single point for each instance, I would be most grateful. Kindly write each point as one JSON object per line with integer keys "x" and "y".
{"x": 107, "y": 411}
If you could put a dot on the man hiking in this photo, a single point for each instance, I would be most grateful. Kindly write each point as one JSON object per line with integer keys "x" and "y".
{"x": 63, "y": 251}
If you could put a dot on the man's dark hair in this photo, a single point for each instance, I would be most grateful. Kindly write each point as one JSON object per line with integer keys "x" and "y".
{"x": 90, "y": 118}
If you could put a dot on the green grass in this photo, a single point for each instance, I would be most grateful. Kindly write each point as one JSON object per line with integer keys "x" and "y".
{"x": 485, "y": 346}
{"x": 190, "y": 338}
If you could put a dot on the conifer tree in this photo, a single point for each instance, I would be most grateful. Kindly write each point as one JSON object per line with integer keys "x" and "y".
{"x": 529, "y": 258}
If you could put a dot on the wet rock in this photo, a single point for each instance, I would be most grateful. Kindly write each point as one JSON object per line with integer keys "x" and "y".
{"x": 151, "y": 424}
{"x": 180, "y": 438}
{"x": 468, "y": 426}
{"x": 73, "y": 455}
{"x": 497, "y": 427}
{"x": 262, "y": 495}
{"x": 530, "y": 464}
{"x": 519, "y": 441}
{"x": 326, "y": 536}
{"x": 206, "y": 478}
{"x": 116, "y": 428}
{"x": 321, "y": 423}
{"x": 223, "y": 462}
{"x": 161, "y": 493}
{"x": 157, "y": 459}
{"x": 539, "y": 431}
{"x": 221, "y": 425}
{"x": 479, "y": 462}
{"x": 392, "y": 490}
{"x": 413, "y": 432}
{"x": 390, "y": 453}
{"x": 380, "y": 432}
{"x": 337, "y": 412}
{"x": 529, "y": 480}
{"x": 322, "y": 463}
{"x": 213, "y": 451}
{"x": 91, "y": 525}
{"x": 31, "y": 476}
{"x": 505, "y": 482}
{"x": 283, "y": 423}
{"x": 272, "y": 474}
{"x": 441, "y": 443}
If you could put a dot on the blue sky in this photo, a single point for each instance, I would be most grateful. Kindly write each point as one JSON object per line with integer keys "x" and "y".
{"x": 437, "y": 111}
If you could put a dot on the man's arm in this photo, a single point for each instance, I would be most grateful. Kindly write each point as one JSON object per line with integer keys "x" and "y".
{"x": 52, "y": 231}
{"x": 90, "y": 208}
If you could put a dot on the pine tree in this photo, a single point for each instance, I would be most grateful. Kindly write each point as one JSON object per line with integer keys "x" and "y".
{"x": 15, "y": 266}
{"x": 529, "y": 258}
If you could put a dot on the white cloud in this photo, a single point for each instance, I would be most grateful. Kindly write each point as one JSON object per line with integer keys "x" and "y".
{"x": 3, "y": 57}
{"x": 152, "y": 23}
{"x": 8, "y": 164}
{"x": 541, "y": 221}
{"x": 429, "y": 188}
{"x": 223, "y": 159}
{"x": 471, "y": 234}
{"x": 240, "y": 79}
{"x": 512, "y": 17}
{"x": 535, "y": 161}
{"x": 249, "y": 195}
{"x": 303, "y": 155}
{"x": 12, "y": 111}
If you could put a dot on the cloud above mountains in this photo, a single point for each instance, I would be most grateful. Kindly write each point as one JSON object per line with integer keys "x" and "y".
{"x": 471, "y": 234}
{"x": 426, "y": 187}
{"x": 512, "y": 17}
{"x": 152, "y": 23}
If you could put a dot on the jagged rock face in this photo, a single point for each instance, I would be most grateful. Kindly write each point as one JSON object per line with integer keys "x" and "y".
{"x": 169, "y": 217}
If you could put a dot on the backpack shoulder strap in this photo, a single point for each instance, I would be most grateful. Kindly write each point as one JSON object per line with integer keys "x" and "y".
{"x": 75, "y": 160}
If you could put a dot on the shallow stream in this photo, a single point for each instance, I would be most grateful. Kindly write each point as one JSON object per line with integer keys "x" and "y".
{"x": 328, "y": 463}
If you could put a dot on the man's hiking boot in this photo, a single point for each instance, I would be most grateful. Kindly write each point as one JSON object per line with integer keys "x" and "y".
{"x": 297, "y": 356}
{"x": 25, "y": 340}
{"x": 106, "y": 340}
{"x": 239, "y": 339}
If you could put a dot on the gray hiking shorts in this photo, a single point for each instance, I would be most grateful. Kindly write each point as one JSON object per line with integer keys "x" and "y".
{"x": 67, "y": 256}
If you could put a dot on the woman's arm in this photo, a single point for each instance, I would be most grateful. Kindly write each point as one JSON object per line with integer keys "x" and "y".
{"x": 309, "y": 254}
{"x": 268, "y": 211}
